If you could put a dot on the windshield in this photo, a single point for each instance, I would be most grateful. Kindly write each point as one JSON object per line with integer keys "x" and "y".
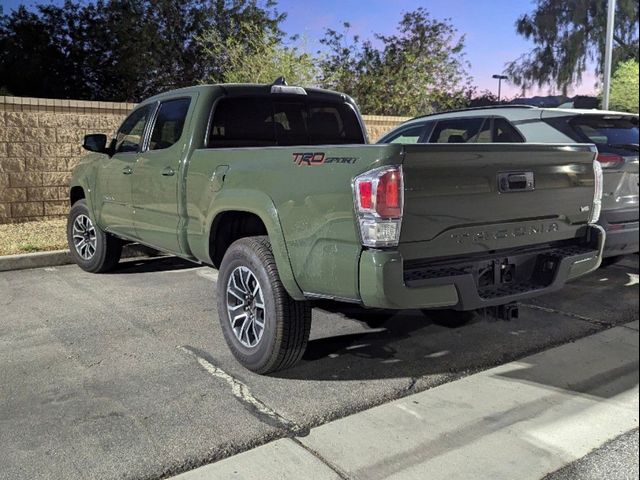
{"x": 619, "y": 132}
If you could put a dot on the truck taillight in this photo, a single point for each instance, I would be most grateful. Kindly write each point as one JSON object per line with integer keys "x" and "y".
{"x": 389, "y": 193}
{"x": 609, "y": 160}
{"x": 365, "y": 192}
{"x": 597, "y": 194}
{"x": 379, "y": 198}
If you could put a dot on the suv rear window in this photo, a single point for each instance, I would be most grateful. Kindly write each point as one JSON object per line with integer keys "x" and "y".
{"x": 613, "y": 132}
{"x": 282, "y": 120}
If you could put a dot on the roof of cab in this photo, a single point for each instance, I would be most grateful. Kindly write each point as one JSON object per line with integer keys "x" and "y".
{"x": 240, "y": 89}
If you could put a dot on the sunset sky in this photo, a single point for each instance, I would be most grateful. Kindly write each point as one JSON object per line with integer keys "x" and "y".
{"x": 489, "y": 27}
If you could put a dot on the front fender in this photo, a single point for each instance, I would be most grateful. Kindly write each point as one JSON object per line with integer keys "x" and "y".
{"x": 84, "y": 176}
{"x": 261, "y": 205}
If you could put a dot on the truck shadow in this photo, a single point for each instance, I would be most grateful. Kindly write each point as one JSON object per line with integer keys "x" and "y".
{"x": 153, "y": 264}
{"x": 401, "y": 344}
{"x": 443, "y": 344}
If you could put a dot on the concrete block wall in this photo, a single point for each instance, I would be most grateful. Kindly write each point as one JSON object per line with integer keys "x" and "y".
{"x": 378, "y": 125}
{"x": 40, "y": 144}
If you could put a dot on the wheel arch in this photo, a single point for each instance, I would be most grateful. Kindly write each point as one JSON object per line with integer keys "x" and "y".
{"x": 253, "y": 213}
{"x": 76, "y": 193}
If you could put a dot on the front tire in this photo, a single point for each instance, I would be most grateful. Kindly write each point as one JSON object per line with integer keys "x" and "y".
{"x": 265, "y": 329}
{"x": 92, "y": 249}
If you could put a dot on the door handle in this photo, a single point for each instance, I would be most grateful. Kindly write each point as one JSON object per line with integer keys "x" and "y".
{"x": 127, "y": 171}
{"x": 168, "y": 172}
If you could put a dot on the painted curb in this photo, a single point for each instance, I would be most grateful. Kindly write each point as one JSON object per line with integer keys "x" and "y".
{"x": 60, "y": 257}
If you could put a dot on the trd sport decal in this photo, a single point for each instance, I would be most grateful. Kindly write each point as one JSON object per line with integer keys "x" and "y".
{"x": 319, "y": 158}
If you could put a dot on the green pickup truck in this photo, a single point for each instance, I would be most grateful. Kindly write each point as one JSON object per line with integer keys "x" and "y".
{"x": 277, "y": 187}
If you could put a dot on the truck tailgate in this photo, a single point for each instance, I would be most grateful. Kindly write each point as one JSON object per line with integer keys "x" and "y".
{"x": 464, "y": 199}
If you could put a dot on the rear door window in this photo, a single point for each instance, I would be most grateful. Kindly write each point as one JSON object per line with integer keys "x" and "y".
{"x": 614, "y": 132}
{"x": 282, "y": 120}
{"x": 485, "y": 135}
{"x": 504, "y": 132}
{"x": 497, "y": 130}
{"x": 408, "y": 135}
{"x": 169, "y": 123}
{"x": 461, "y": 130}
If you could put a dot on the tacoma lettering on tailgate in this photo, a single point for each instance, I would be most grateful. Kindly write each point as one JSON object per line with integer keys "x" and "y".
{"x": 505, "y": 233}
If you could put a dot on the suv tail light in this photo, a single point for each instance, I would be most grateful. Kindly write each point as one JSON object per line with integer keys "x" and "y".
{"x": 597, "y": 195}
{"x": 379, "y": 202}
{"x": 609, "y": 160}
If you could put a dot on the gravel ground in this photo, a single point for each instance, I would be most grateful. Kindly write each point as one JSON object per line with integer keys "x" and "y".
{"x": 615, "y": 460}
{"x": 30, "y": 237}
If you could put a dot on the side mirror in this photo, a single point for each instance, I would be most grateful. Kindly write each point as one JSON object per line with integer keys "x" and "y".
{"x": 96, "y": 142}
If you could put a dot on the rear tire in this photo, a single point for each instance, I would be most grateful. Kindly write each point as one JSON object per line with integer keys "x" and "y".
{"x": 265, "y": 329}
{"x": 92, "y": 249}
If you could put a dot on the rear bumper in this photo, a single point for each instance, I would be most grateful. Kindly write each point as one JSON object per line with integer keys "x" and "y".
{"x": 622, "y": 231}
{"x": 476, "y": 282}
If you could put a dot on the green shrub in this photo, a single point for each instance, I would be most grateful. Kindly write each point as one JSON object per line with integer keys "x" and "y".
{"x": 624, "y": 87}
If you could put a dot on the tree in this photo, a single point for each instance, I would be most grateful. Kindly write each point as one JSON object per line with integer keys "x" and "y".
{"x": 624, "y": 87}
{"x": 486, "y": 98}
{"x": 258, "y": 56}
{"x": 418, "y": 70}
{"x": 119, "y": 49}
{"x": 567, "y": 36}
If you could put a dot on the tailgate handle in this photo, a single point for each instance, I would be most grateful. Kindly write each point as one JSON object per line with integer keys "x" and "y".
{"x": 516, "y": 182}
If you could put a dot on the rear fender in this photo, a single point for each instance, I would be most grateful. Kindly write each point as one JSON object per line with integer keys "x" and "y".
{"x": 261, "y": 205}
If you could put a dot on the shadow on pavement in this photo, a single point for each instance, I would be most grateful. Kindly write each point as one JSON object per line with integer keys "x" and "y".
{"x": 402, "y": 344}
{"x": 155, "y": 264}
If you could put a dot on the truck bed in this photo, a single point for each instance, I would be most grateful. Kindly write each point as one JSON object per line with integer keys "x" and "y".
{"x": 454, "y": 204}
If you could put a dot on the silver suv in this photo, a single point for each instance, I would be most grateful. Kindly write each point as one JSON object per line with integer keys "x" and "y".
{"x": 614, "y": 133}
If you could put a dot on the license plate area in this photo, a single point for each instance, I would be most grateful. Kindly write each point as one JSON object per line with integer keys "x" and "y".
{"x": 536, "y": 270}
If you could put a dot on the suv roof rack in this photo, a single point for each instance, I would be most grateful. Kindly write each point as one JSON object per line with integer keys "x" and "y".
{"x": 488, "y": 107}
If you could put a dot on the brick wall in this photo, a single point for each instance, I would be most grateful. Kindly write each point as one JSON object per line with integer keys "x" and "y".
{"x": 40, "y": 143}
{"x": 379, "y": 125}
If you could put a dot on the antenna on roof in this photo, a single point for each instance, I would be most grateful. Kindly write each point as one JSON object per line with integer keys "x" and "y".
{"x": 280, "y": 81}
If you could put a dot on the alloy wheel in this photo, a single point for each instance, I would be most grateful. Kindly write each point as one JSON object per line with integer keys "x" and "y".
{"x": 84, "y": 237}
{"x": 245, "y": 306}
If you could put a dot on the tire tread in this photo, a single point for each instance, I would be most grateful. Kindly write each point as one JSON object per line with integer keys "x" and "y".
{"x": 109, "y": 247}
{"x": 294, "y": 317}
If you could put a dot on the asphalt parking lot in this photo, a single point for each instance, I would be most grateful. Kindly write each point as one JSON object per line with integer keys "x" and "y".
{"x": 126, "y": 375}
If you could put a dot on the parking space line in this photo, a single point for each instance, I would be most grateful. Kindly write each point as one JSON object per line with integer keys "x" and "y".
{"x": 208, "y": 273}
{"x": 242, "y": 392}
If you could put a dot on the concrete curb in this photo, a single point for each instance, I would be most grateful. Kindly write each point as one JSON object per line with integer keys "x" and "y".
{"x": 61, "y": 257}
{"x": 545, "y": 411}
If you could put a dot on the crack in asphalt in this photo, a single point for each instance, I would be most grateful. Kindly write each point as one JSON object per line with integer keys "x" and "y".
{"x": 243, "y": 393}
{"x": 412, "y": 385}
{"x": 575, "y": 316}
